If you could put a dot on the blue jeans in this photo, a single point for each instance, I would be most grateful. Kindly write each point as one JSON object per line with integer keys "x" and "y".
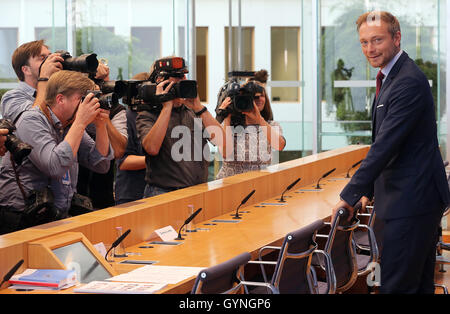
{"x": 151, "y": 190}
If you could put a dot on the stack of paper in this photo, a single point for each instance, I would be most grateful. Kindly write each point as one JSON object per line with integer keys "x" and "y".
{"x": 158, "y": 274}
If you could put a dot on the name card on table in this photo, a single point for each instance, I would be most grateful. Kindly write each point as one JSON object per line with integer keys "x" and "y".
{"x": 164, "y": 234}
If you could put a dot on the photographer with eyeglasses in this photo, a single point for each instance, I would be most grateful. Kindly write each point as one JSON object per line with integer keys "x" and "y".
{"x": 43, "y": 187}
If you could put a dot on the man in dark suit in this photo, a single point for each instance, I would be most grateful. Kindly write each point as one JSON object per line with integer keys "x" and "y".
{"x": 403, "y": 169}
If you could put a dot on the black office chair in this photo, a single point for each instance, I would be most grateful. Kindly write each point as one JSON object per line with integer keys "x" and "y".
{"x": 342, "y": 249}
{"x": 365, "y": 240}
{"x": 222, "y": 278}
{"x": 293, "y": 272}
{"x": 225, "y": 278}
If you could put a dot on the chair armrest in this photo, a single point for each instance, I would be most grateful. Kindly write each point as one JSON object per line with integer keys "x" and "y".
{"x": 262, "y": 262}
{"x": 372, "y": 242}
{"x": 272, "y": 288}
{"x": 329, "y": 271}
{"x": 268, "y": 247}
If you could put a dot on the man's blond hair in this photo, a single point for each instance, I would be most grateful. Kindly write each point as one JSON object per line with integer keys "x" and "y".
{"x": 67, "y": 83}
{"x": 374, "y": 17}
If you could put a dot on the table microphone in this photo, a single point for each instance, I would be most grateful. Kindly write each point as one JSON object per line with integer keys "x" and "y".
{"x": 236, "y": 216}
{"x": 118, "y": 241}
{"x": 287, "y": 189}
{"x": 186, "y": 222}
{"x": 11, "y": 272}
{"x": 324, "y": 176}
{"x": 353, "y": 166}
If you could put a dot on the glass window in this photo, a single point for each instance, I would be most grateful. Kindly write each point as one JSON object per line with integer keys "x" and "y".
{"x": 202, "y": 62}
{"x": 145, "y": 47}
{"x": 8, "y": 38}
{"x": 55, "y": 37}
{"x": 285, "y": 61}
{"x": 247, "y": 62}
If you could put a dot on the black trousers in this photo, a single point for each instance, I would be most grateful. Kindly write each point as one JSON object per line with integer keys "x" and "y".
{"x": 409, "y": 254}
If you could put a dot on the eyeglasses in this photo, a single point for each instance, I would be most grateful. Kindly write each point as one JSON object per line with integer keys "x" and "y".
{"x": 260, "y": 96}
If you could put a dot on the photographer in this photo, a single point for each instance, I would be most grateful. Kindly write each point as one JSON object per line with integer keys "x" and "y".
{"x": 164, "y": 172}
{"x": 99, "y": 187}
{"x": 254, "y": 136}
{"x": 32, "y": 74}
{"x": 3, "y": 132}
{"x": 59, "y": 145}
{"x": 130, "y": 172}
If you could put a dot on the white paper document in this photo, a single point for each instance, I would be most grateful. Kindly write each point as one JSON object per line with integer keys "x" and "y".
{"x": 119, "y": 287}
{"x": 159, "y": 274}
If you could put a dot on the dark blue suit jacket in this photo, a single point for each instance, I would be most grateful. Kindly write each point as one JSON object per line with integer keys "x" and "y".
{"x": 403, "y": 169}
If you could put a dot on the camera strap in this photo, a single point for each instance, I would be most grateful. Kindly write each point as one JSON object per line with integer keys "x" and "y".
{"x": 22, "y": 191}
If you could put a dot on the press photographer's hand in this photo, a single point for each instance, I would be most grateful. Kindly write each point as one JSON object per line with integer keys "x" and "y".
{"x": 225, "y": 103}
{"x": 254, "y": 115}
{"x": 193, "y": 103}
{"x": 88, "y": 110}
{"x": 102, "y": 118}
{"x": 102, "y": 72}
{"x": 163, "y": 88}
{"x": 3, "y": 133}
{"x": 52, "y": 64}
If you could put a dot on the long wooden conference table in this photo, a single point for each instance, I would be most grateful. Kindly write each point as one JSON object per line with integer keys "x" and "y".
{"x": 265, "y": 223}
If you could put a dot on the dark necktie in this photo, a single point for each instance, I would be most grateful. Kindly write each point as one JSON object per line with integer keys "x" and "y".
{"x": 380, "y": 77}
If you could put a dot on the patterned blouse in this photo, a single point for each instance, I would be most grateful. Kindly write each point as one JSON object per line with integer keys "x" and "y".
{"x": 251, "y": 151}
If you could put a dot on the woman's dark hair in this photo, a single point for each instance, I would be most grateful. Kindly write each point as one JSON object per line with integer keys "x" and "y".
{"x": 266, "y": 113}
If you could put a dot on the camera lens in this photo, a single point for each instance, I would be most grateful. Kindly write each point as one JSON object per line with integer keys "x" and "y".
{"x": 18, "y": 149}
{"x": 108, "y": 101}
{"x": 243, "y": 103}
{"x": 187, "y": 89}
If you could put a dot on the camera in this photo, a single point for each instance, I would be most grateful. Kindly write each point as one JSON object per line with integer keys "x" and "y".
{"x": 141, "y": 95}
{"x": 86, "y": 63}
{"x": 40, "y": 209}
{"x": 18, "y": 149}
{"x": 181, "y": 89}
{"x": 107, "y": 101}
{"x": 145, "y": 98}
{"x": 242, "y": 96}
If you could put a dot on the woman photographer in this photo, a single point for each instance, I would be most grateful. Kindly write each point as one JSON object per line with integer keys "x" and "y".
{"x": 253, "y": 138}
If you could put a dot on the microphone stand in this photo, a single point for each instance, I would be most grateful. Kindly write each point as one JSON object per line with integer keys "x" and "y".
{"x": 324, "y": 176}
{"x": 116, "y": 243}
{"x": 281, "y": 200}
{"x": 353, "y": 166}
{"x": 236, "y": 215}
{"x": 190, "y": 218}
{"x": 11, "y": 272}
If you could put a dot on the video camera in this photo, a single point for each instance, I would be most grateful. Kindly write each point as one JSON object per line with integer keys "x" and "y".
{"x": 242, "y": 96}
{"x": 141, "y": 95}
{"x": 18, "y": 149}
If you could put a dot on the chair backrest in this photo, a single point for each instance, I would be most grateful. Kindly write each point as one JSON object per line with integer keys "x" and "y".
{"x": 341, "y": 247}
{"x": 222, "y": 278}
{"x": 292, "y": 272}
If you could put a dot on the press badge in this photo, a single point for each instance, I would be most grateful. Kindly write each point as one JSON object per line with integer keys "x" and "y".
{"x": 66, "y": 178}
